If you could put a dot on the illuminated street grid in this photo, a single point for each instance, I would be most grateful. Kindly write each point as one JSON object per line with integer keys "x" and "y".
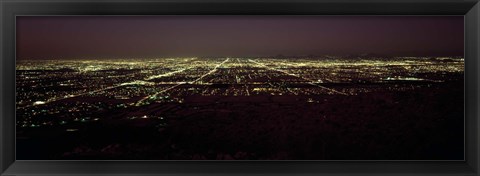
{"x": 62, "y": 91}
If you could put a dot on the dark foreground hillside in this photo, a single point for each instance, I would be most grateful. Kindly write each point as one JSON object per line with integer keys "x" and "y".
{"x": 423, "y": 124}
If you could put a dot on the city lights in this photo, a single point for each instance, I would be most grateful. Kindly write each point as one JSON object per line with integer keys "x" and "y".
{"x": 74, "y": 89}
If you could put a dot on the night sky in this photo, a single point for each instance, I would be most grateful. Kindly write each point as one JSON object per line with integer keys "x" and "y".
{"x": 97, "y": 37}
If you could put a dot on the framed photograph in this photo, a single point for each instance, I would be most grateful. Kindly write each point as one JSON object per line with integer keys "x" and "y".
{"x": 256, "y": 87}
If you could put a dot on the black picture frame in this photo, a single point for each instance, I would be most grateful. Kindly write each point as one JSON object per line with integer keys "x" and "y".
{"x": 11, "y": 8}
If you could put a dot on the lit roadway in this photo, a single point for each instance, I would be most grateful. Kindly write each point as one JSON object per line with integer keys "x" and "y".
{"x": 196, "y": 80}
{"x": 167, "y": 74}
{"x": 180, "y": 83}
{"x": 81, "y": 94}
{"x": 309, "y": 80}
{"x": 212, "y": 71}
{"x": 112, "y": 87}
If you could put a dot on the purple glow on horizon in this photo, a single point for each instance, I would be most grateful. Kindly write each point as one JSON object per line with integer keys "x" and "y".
{"x": 189, "y": 36}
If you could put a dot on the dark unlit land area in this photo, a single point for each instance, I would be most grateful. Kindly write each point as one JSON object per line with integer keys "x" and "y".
{"x": 426, "y": 123}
